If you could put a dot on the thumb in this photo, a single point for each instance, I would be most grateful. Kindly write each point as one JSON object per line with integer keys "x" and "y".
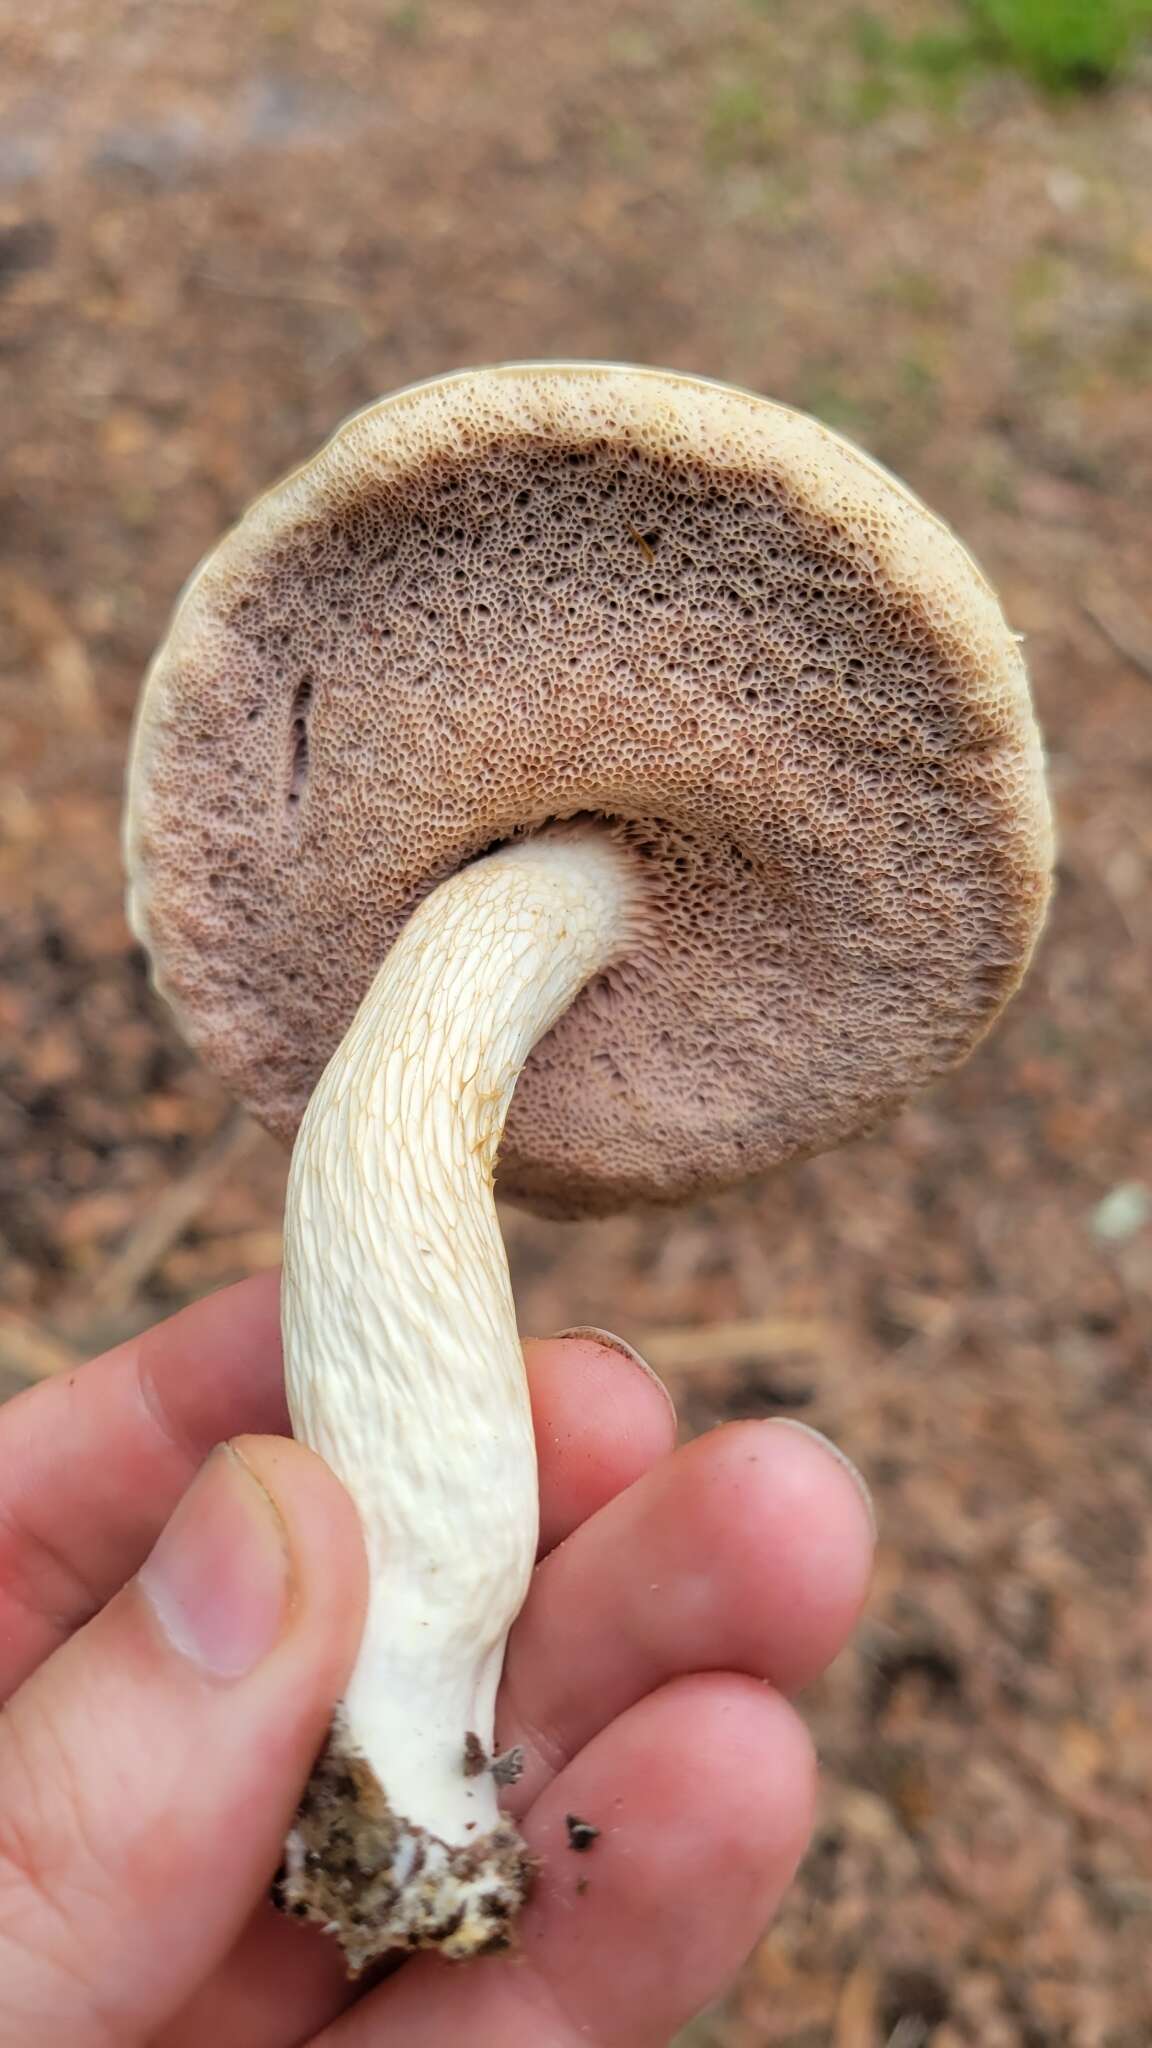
{"x": 150, "y": 1769}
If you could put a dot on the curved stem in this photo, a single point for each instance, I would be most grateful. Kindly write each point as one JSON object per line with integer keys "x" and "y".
{"x": 402, "y": 1359}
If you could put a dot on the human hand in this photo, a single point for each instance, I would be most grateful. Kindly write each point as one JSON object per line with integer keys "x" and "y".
{"x": 173, "y": 1634}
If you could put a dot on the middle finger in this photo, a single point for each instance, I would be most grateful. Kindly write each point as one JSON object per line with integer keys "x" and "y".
{"x": 749, "y": 1551}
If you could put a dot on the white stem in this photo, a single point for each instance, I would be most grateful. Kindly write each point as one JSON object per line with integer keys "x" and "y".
{"x": 403, "y": 1363}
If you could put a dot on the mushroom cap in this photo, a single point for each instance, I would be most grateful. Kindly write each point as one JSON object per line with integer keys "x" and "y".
{"x": 550, "y": 590}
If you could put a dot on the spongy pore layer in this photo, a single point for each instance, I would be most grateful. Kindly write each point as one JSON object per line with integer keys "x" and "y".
{"x": 513, "y": 596}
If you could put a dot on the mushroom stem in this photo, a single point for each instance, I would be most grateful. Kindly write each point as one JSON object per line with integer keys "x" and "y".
{"x": 405, "y": 1372}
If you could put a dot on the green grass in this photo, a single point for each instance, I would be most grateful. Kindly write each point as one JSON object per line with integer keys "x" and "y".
{"x": 1061, "y": 46}
{"x": 1062, "y": 43}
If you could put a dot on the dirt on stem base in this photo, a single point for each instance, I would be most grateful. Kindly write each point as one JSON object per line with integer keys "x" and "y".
{"x": 378, "y": 1883}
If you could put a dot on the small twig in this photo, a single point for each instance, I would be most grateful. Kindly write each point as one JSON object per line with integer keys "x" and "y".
{"x": 909, "y": 2032}
{"x": 758, "y": 1339}
{"x": 32, "y": 1352}
{"x": 279, "y": 291}
{"x": 177, "y": 1208}
{"x": 856, "y": 2009}
{"x": 1139, "y": 658}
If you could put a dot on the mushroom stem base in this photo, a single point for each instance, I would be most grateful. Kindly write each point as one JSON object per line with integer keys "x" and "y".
{"x": 378, "y": 1883}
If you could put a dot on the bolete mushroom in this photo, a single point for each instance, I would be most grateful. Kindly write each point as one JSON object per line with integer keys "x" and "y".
{"x": 608, "y": 712}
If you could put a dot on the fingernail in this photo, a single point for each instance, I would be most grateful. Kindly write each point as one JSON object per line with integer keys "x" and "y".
{"x": 841, "y": 1457}
{"x": 218, "y": 1578}
{"x": 614, "y": 1343}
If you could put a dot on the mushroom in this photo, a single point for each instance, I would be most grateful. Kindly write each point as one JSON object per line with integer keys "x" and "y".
{"x": 613, "y": 735}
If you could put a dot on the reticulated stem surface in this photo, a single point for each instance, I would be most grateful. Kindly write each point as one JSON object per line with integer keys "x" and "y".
{"x": 404, "y": 1370}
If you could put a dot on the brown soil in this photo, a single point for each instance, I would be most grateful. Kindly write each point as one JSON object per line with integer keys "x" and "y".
{"x": 222, "y": 228}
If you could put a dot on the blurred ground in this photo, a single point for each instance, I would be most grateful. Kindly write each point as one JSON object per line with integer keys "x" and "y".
{"x": 224, "y": 226}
